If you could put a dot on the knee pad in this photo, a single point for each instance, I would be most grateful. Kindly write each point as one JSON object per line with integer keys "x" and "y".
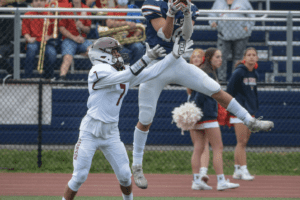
{"x": 78, "y": 179}
{"x": 124, "y": 175}
{"x": 210, "y": 85}
{"x": 146, "y": 115}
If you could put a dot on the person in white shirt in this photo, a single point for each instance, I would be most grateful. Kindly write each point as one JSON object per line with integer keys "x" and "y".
{"x": 108, "y": 84}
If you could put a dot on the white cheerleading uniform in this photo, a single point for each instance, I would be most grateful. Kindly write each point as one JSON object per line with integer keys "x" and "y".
{"x": 99, "y": 128}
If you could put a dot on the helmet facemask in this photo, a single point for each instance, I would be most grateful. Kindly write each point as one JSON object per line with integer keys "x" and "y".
{"x": 106, "y": 50}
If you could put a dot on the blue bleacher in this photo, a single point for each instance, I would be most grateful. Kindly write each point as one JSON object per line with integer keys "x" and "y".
{"x": 69, "y": 106}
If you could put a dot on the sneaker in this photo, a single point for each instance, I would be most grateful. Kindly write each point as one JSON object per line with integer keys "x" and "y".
{"x": 200, "y": 186}
{"x": 237, "y": 174}
{"x": 246, "y": 176}
{"x": 204, "y": 178}
{"x": 139, "y": 177}
{"x": 227, "y": 185}
{"x": 256, "y": 125}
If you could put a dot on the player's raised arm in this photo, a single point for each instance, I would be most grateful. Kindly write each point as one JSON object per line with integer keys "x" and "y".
{"x": 163, "y": 26}
{"x": 187, "y": 28}
{"x": 108, "y": 64}
{"x": 179, "y": 49}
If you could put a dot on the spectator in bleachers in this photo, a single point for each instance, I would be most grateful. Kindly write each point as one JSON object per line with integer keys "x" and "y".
{"x": 242, "y": 86}
{"x": 208, "y": 127}
{"x": 233, "y": 36}
{"x": 135, "y": 50}
{"x": 7, "y": 36}
{"x": 74, "y": 37}
{"x": 101, "y": 3}
{"x": 32, "y": 30}
{"x": 199, "y": 166}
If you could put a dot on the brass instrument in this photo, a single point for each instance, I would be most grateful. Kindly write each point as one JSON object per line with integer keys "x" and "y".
{"x": 55, "y": 28}
{"x": 45, "y": 32}
{"x": 120, "y": 33}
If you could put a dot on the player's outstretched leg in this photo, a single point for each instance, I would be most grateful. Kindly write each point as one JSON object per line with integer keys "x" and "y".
{"x": 256, "y": 125}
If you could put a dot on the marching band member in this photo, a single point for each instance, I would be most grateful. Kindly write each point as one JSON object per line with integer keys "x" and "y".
{"x": 32, "y": 30}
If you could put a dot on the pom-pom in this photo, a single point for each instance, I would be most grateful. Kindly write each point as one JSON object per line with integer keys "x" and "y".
{"x": 223, "y": 116}
{"x": 186, "y": 116}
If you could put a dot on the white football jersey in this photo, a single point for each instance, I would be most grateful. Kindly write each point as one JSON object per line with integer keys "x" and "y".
{"x": 108, "y": 87}
{"x": 105, "y": 102}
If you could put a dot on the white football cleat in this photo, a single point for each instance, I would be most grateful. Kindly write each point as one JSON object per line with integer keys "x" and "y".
{"x": 139, "y": 177}
{"x": 227, "y": 185}
{"x": 200, "y": 186}
{"x": 256, "y": 125}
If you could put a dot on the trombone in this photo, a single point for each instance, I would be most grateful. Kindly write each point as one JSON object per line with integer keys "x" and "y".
{"x": 45, "y": 32}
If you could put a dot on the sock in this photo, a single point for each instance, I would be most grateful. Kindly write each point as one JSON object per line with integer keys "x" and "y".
{"x": 127, "y": 197}
{"x": 196, "y": 177}
{"x": 244, "y": 168}
{"x": 203, "y": 171}
{"x": 236, "y": 168}
{"x": 139, "y": 142}
{"x": 63, "y": 198}
{"x": 240, "y": 112}
{"x": 221, "y": 178}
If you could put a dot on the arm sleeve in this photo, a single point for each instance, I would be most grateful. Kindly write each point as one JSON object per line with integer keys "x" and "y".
{"x": 104, "y": 79}
{"x": 234, "y": 81}
{"x": 152, "y": 71}
{"x": 187, "y": 27}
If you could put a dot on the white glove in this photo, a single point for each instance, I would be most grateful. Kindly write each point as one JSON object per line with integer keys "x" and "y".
{"x": 151, "y": 54}
{"x": 186, "y": 8}
{"x": 154, "y": 53}
{"x": 180, "y": 48}
{"x": 173, "y": 7}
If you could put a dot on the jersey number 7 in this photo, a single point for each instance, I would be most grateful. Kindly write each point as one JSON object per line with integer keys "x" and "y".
{"x": 122, "y": 86}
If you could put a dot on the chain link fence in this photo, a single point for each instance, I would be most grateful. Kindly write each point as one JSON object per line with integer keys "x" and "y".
{"x": 39, "y": 120}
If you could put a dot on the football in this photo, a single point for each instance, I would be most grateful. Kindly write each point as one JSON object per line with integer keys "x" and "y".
{"x": 183, "y": 1}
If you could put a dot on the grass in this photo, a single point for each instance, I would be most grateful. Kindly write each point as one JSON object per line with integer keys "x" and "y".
{"x": 163, "y": 162}
{"x": 135, "y": 198}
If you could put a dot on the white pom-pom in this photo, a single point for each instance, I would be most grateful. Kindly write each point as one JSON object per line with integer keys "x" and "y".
{"x": 186, "y": 116}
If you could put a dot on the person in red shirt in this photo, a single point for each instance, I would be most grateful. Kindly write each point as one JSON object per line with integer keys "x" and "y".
{"x": 32, "y": 30}
{"x": 135, "y": 50}
{"x": 74, "y": 37}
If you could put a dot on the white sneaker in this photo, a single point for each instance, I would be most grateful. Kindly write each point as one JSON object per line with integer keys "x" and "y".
{"x": 256, "y": 125}
{"x": 227, "y": 185}
{"x": 139, "y": 177}
{"x": 237, "y": 174}
{"x": 246, "y": 176}
{"x": 204, "y": 178}
{"x": 200, "y": 186}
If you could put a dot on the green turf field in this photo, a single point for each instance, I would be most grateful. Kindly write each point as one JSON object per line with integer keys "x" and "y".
{"x": 135, "y": 198}
{"x": 164, "y": 162}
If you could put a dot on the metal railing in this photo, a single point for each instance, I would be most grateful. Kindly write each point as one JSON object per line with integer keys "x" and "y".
{"x": 266, "y": 16}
